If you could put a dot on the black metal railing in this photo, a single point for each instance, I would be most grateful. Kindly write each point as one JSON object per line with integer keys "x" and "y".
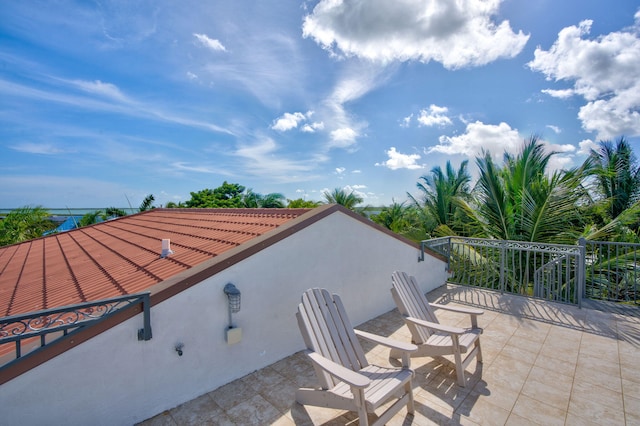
{"x": 33, "y": 331}
{"x": 564, "y": 273}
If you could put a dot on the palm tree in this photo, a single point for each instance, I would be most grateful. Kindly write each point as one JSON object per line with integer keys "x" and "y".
{"x": 252, "y": 199}
{"x": 617, "y": 176}
{"x": 25, "y": 223}
{"x": 520, "y": 201}
{"x": 441, "y": 196}
{"x": 147, "y": 203}
{"x": 342, "y": 197}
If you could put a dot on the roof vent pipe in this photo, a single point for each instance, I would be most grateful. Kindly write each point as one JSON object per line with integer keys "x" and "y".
{"x": 166, "y": 247}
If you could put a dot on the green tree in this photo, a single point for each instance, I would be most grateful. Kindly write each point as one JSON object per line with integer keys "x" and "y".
{"x": 228, "y": 195}
{"x": 402, "y": 219}
{"x": 111, "y": 212}
{"x": 300, "y": 203}
{"x": 521, "y": 201}
{"x": 147, "y": 203}
{"x": 91, "y": 218}
{"x": 255, "y": 200}
{"x": 617, "y": 177}
{"x": 441, "y": 196}
{"x": 340, "y": 196}
{"x": 24, "y": 224}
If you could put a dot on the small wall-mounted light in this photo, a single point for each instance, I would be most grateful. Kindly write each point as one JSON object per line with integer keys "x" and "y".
{"x": 234, "y": 334}
{"x": 233, "y": 294}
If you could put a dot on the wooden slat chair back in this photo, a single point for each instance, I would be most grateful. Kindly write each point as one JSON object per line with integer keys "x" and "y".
{"x": 432, "y": 337}
{"x": 411, "y": 302}
{"x": 347, "y": 381}
{"x": 327, "y": 331}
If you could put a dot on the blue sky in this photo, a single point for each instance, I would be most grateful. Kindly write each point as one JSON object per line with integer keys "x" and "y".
{"x": 104, "y": 102}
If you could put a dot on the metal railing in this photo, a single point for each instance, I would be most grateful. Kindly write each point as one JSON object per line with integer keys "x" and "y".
{"x": 612, "y": 271}
{"x": 549, "y": 271}
{"x": 33, "y": 331}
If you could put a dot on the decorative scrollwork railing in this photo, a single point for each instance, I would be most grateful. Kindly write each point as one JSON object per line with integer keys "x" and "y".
{"x": 549, "y": 271}
{"x": 63, "y": 321}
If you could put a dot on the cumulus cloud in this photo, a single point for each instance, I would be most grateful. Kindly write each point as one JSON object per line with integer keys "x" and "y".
{"x": 586, "y": 146}
{"x": 210, "y": 43}
{"x": 603, "y": 71}
{"x": 478, "y": 136}
{"x": 343, "y": 137}
{"x": 398, "y": 160}
{"x": 455, "y": 33}
{"x": 434, "y": 116}
{"x": 288, "y": 121}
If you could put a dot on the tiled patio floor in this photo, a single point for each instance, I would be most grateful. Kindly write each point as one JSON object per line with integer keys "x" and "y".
{"x": 544, "y": 364}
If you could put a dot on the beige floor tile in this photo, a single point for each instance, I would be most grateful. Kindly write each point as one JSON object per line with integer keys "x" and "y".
{"x": 516, "y": 420}
{"x": 607, "y": 379}
{"x": 632, "y": 408}
{"x": 231, "y": 394}
{"x": 595, "y": 412}
{"x": 497, "y": 395}
{"x": 540, "y": 412}
{"x": 254, "y": 411}
{"x": 482, "y": 412}
{"x": 162, "y": 419}
{"x": 630, "y": 388}
{"x": 200, "y": 411}
{"x": 631, "y": 372}
{"x": 551, "y": 389}
{"x": 556, "y": 365}
{"x": 588, "y": 391}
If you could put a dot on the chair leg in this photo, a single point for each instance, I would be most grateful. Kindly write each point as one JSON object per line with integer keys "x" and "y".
{"x": 362, "y": 406}
{"x": 408, "y": 387}
{"x": 479, "y": 355}
{"x": 460, "y": 369}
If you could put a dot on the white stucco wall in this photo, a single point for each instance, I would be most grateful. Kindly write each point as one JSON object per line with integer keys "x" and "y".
{"x": 114, "y": 379}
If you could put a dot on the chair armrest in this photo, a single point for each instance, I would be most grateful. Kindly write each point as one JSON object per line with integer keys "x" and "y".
{"x": 346, "y": 375}
{"x": 435, "y": 326}
{"x": 462, "y": 310}
{"x": 390, "y": 343}
{"x": 459, "y": 309}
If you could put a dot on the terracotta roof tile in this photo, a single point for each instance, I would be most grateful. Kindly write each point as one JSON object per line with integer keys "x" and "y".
{"x": 122, "y": 256}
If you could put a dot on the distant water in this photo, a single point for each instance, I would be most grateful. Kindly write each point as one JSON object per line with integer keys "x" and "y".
{"x": 66, "y": 212}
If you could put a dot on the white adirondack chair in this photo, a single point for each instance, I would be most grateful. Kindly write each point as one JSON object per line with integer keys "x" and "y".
{"x": 435, "y": 339}
{"x": 347, "y": 380}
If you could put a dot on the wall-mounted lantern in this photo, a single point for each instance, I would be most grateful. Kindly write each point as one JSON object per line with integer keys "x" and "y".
{"x": 234, "y": 334}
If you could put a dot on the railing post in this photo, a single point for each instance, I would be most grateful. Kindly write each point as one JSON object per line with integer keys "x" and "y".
{"x": 582, "y": 271}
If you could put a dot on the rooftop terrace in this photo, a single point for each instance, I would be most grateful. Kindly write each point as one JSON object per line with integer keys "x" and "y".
{"x": 544, "y": 363}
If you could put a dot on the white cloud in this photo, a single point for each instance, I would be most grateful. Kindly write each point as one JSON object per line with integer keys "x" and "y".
{"x": 434, "y": 116}
{"x": 97, "y": 87}
{"x": 406, "y": 121}
{"x": 210, "y": 43}
{"x": 264, "y": 158}
{"x": 561, "y": 94}
{"x": 37, "y": 148}
{"x": 313, "y": 127}
{"x": 343, "y": 137}
{"x": 288, "y": 121}
{"x": 555, "y": 129}
{"x": 456, "y": 34}
{"x": 586, "y": 146}
{"x": 478, "y": 136}
{"x": 603, "y": 71}
{"x": 340, "y": 170}
{"x": 400, "y": 161}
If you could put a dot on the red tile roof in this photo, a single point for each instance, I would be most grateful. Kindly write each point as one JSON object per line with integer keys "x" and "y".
{"x": 122, "y": 256}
